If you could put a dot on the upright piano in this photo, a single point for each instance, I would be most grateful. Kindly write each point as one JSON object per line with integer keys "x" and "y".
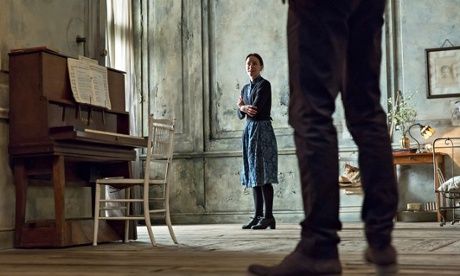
{"x": 60, "y": 142}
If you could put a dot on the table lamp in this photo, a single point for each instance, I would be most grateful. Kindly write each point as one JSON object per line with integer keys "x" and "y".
{"x": 426, "y": 132}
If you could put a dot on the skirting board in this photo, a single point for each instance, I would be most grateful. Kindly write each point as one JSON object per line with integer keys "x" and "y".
{"x": 281, "y": 217}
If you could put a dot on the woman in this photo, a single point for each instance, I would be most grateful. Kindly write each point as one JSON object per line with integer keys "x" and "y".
{"x": 260, "y": 158}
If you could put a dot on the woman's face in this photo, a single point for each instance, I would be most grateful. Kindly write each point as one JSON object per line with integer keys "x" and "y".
{"x": 253, "y": 67}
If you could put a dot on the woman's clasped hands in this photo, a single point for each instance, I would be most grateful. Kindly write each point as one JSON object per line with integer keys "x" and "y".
{"x": 250, "y": 110}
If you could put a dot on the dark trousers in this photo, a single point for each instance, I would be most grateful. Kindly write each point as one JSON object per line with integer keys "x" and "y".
{"x": 335, "y": 45}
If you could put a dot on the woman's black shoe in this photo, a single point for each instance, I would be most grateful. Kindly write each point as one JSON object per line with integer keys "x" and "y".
{"x": 252, "y": 222}
{"x": 264, "y": 223}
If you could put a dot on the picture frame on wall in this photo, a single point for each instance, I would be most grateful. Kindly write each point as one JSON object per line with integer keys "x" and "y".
{"x": 443, "y": 72}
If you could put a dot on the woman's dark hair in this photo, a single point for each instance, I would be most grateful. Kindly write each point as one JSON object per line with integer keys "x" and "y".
{"x": 257, "y": 56}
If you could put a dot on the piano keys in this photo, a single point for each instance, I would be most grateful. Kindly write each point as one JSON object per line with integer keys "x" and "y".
{"x": 52, "y": 137}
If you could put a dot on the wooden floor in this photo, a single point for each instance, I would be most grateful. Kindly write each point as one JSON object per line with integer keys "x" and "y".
{"x": 424, "y": 249}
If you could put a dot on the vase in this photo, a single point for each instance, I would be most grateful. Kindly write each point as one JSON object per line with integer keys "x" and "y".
{"x": 405, "y": 142}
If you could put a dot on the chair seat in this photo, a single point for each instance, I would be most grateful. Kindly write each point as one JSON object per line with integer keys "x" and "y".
{"x": 119, "y": 200}
{"x": 123, "y": 218}
{"x": 157, "y": 211}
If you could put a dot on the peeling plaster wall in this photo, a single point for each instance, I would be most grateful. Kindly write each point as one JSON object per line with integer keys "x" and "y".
{"x": 51, "y": 23}
{"x": 31, "y": 23}
{"x": 195, "y": 70}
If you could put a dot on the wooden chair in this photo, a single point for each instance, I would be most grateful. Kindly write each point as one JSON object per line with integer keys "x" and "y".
{"x": 156, "y": 172}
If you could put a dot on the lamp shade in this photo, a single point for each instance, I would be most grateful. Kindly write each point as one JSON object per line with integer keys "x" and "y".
{"x": 426, "y": 131}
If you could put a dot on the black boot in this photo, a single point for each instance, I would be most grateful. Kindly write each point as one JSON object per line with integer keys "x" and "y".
{"x": 264, "y": 223}
{"x": 384, "y": 260}
{"x": 296, "y": 264}
{"x": 252, "y": 222}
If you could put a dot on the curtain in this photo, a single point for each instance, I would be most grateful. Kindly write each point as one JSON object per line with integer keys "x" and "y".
{"x": 120, "y": 53}
{"x": 120, "y": 56}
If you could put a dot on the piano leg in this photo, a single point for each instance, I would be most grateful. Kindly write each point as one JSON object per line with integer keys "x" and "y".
{"x": 20, "y": 180}
{"x": 58, "y": 179}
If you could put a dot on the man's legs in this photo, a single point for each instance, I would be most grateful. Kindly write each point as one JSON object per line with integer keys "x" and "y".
{"x": 318, "y": 34}
{"x": 317, "y": 37}
{"x": 367, "y": 122}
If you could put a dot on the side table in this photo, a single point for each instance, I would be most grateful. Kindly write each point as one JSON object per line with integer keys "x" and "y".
{"x": 411, "y": 158}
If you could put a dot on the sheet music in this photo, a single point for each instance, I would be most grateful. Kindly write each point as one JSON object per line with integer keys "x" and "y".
{"x": 90, "y": 60}
{"x": 89, "y": 82}
{"x": 80, "y": 80}
{"x": 100, "y": 83}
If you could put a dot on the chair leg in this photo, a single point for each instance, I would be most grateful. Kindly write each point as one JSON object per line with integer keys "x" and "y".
{"x": 168, "y": 222}
{"x": 96, "y": 213}
{"x": 148, "y": 223}
{"x": 128, "y": 206}
{"x": 149, "y": 228}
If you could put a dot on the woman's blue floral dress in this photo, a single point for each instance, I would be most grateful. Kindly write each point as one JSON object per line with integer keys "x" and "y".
{"x": 260, "y": 152}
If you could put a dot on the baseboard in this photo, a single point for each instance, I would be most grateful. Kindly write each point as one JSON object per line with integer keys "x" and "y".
{"x": 238, "y": 217}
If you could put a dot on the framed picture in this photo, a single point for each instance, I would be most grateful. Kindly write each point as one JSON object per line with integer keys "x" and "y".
{"x": 443, "y": 72}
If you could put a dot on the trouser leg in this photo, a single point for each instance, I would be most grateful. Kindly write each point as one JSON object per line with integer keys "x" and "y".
{"x": 316, "y": 35}
{"x": 267, "y": 191}
{"x": 367, "y": 122}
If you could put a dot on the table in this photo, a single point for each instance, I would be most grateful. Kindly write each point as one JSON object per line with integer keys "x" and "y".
{"x": 412, "y": 158}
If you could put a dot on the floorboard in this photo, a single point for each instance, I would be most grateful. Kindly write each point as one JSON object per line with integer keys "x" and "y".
{"x": 424, "y": 249}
